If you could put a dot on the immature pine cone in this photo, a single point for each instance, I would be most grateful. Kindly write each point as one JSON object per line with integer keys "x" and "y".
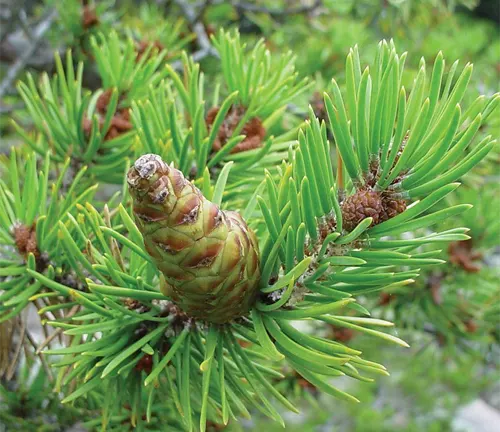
{"x": 363, "y": 204}
{"x": 209, "y": 257}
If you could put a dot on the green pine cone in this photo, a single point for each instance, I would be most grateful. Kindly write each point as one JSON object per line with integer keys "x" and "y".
{"x": 209, "y": 257}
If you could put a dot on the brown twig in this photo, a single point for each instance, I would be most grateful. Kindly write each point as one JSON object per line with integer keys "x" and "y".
{"x": 41, "y": 356}
{"x": 250, "y": 7}
{"x": 12, "y": 367}
{"x": 57, "y": 332}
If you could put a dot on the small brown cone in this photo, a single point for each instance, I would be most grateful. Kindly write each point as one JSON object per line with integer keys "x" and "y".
{"x": 359, "y": 206}
{"x": 209, "y": 257}
{"x": 253, "y": 130}
{"x": 391, "y": 207}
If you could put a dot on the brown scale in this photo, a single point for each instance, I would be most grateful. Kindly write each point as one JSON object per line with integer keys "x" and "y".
{"x": 135, "y": 305}
{"x": 89, "y": 17}
{"x": 103, "y": 101}
{"x": 244, "y": 343}
{"x": 253, "y": 130}
{"x": 462, "y": 254}
{"x": 318, "y": 106}
{"x": 471, "y": 326}
{"x": 434, "y": 285}
{"x": 325, "y": 228}
{"x": 306, "y": 385}
{"x": 210, "y": 30}
{"x": 441, "y": 339}
{"x": 25, "y": 238}
{"x": 386, "y": 298}
{"x": 145, "y": 364}
{"x": 120, "y": 123}
{"x": 26, "y": 243}
{"x": 179, "y": 318}
{"x": 142, "y": 329}
{"x": 373, "y": 175}
{"x": 143, "y": 46}
{"x": 215, "y": 427}
{"x": 341, "y": 334}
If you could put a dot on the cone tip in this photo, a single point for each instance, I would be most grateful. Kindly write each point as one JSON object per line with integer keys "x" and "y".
{"x": 147, "y": 164}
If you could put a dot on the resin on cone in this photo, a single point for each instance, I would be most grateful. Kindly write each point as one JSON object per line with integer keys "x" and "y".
{"x": 209, "y": 257}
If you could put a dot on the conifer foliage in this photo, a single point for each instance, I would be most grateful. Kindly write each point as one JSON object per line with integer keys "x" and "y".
{"x": 181, "y": 293}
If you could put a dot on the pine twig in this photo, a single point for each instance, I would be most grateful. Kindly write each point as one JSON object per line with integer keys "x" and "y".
{"x": 21, "y": 62}
{"x": 249, "y": 7}
{"x": 193, "y": 19}
{"x": 178, "y": 65}
{"x": 9, "y": 19}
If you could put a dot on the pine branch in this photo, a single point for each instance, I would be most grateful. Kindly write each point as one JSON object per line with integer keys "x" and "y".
{"x": 175, "y": 296}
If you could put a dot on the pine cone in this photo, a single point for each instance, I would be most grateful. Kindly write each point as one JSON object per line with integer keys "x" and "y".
{"x": 253, "y": 129}
{"x": 209, "y": 257}
{"x": 363, "y": 204}
{"x": 392, "y": 207}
